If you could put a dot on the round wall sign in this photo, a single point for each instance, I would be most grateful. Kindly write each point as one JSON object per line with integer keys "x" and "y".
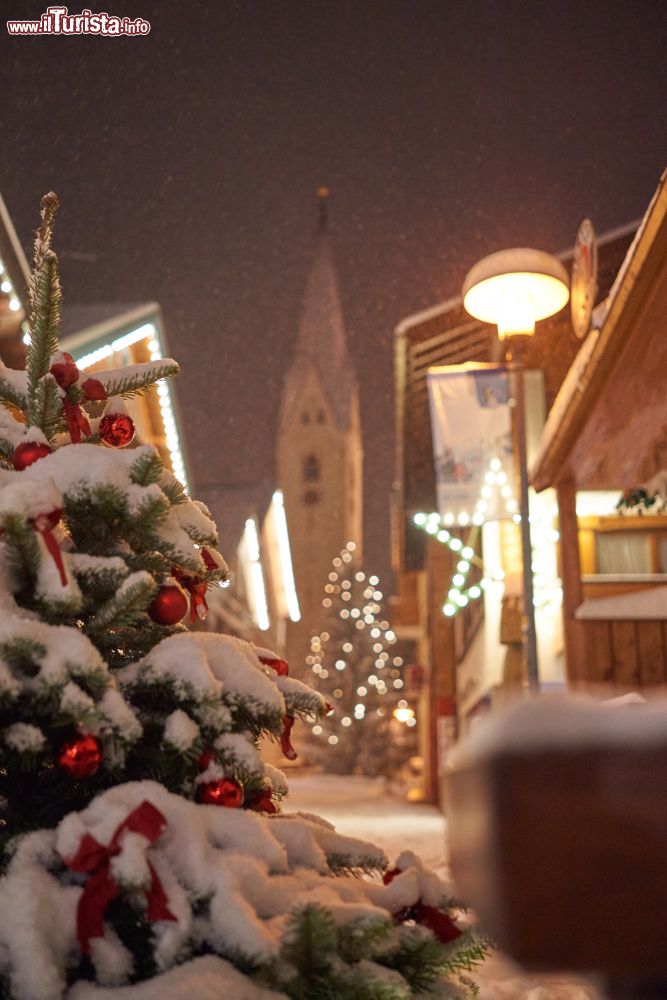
{"x": 584, "y": 283}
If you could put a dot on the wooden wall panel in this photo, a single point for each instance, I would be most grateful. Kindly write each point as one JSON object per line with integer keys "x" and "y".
{"x": 599, "y": 660}
{"x": 652, "y": 648}
{"x": 625, "y": 657}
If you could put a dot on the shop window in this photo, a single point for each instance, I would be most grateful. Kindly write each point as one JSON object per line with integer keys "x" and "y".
{"x": 311, "y": 469}
{"x": 623, "y": 552}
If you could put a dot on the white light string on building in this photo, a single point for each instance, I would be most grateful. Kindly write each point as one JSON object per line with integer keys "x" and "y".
{"x": 7, "y": 288}
{"x": 548, "y": 588}
{"x": 458, "y": 595}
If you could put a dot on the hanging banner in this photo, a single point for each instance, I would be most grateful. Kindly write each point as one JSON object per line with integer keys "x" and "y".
{"x": 472, "y": 443}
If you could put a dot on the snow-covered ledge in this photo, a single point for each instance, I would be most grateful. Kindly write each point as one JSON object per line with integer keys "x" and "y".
{"x": 638, "y": 604}
{"x": 557, "y": 722}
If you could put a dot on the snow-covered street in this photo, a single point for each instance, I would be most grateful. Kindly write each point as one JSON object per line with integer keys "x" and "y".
{"x": 362, "y": 808}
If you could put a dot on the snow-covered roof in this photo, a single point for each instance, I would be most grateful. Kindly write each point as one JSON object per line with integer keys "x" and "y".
{"x": 83, "y": 324}
{"x": 589, "y": 375}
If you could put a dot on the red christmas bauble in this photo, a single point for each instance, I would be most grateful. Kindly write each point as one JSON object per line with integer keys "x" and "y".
{"x": 80, "y": 757}
{"x": 169, "y": 604}
{"x": 93, "y": 389}
{"x": 28, "y": 452}
{"x": 116, "y": 430}
{"x": 225, "y": 792}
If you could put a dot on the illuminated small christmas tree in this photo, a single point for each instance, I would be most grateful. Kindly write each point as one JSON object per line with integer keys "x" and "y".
{"x": 354, "y": 659}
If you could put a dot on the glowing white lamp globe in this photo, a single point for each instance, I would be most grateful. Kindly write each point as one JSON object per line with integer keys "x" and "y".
{"x": 515, "y": 288}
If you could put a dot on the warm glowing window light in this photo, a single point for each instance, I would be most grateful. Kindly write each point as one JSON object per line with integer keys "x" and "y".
{"x": 258, "y": 588}
{"x": 293, "y": 609}
{"x": 149, "y": 332}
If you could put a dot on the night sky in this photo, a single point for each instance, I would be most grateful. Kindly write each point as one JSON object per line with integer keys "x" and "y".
{"x": 187, "y": 164}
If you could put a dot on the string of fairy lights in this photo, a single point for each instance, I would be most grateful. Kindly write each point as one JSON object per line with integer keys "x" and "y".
{"x": 384, "y": 677}
{"x": 7, "y": 288}
{"x": 548, "y": 589}
{"x": 458, "y": 595}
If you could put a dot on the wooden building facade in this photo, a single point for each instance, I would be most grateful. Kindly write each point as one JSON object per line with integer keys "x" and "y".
{"x": 607, "y": 430}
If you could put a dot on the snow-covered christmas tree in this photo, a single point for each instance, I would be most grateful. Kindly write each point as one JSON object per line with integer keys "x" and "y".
{"x": 355, "y": 663}
{"x": 143, "y": 840}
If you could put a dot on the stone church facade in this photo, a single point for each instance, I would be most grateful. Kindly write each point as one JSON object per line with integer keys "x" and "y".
{"x": 320, "y": 453}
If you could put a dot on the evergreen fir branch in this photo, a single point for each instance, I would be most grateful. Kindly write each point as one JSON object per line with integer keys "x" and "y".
{"x": 310, "y": 941}
{"x": 21, "y": 654}
{"x": 99, "y": 582}
{"x": 95, "y": 518}
{"x": 6, "y": 452}
{"x": 252, "y": 716}
{"x": 152, "y": 561}
{"x": 94, "y": 682}
{"x": 21, "y": 550}
{"x": 147, "y": 469}
{"x": 45, "y": 410}
{"x": 139, "y": 380}
{"x": 145, "y": 519}
{"x": 10, "y": 395}
{"x": 44, "y": 323}
{"x": 362, "y": 938}
{"x": 422, "y": 959}
{"x": 126, "y": 606}
{"x": 470, "y": 986}
{"x": 357, "y": 864}
{"x": 173, "y": 490}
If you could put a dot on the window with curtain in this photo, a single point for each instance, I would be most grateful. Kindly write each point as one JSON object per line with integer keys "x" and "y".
{"x": 623, "y": 552}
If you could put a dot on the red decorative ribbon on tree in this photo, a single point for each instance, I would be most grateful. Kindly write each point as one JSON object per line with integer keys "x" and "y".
{"x": 285, "y": 738}
{"x": 101, "y": 889}
{"x": 438, "y": 921}
{"x": 44, "y": 524}
{"x": 197, "y": 591}
{"x": 281, "y": 667}
{"x": 66, "y": 374}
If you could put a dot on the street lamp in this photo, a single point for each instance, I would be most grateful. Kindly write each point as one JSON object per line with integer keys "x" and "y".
{"x": 514, "y": 289}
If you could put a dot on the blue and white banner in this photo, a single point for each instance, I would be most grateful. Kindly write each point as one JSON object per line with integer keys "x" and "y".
{"x": 472, "y": 443}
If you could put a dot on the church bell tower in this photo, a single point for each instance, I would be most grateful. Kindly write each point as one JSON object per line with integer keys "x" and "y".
{"x": 320, "y": 454}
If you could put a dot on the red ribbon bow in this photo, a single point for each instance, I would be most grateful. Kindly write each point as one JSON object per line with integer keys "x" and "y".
{"x": 43, "y": 524}
{"x": 101, "y": 889}
{"x": 438, "y": 921}
{"x": 66, "y": 373}
{"x": 77, "y": 421}
{"x": 285, "y": 738}
{"x": 197, "y": 590}
{"x": 281, "y": 667}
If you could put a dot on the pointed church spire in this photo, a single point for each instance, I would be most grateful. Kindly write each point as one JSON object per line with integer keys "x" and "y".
{"x": 321, "y": 340}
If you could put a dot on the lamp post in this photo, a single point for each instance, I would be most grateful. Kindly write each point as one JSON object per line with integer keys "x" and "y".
{"x": 514, "y": 289}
